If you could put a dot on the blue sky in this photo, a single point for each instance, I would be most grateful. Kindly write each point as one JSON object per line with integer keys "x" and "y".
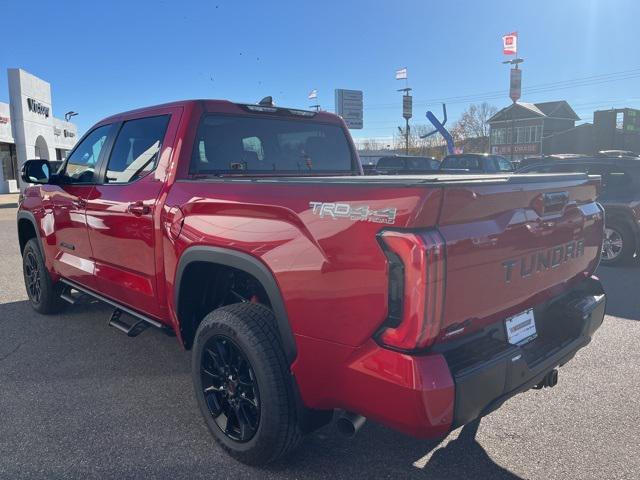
{"x": 105, "y": 57}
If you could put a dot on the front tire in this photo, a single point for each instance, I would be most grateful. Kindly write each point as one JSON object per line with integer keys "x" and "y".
{"x": 43, "y": 293}
{"x": 619, "y": 245}
{"x": 243, "y": 385}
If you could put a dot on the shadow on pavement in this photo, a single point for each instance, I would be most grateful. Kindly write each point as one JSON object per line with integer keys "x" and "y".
{"x": 142, "y": 389}
{"x": 465, "y": 458}
{"x": 619, "y": 283}
{"x": 380, "y": 452}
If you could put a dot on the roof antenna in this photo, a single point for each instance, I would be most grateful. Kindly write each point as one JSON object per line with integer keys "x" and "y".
{"x": 266, "y": 102}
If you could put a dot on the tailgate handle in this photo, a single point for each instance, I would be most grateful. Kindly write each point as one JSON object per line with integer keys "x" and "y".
{"x": 554, "y": 201}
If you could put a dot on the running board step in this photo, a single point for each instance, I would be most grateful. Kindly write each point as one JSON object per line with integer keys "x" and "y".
{"x": 142, "y": 322}
{"x": 68, "y": 297}
{"x": 131, "y": 330}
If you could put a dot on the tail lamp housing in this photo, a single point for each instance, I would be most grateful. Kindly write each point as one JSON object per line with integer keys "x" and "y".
{"x": 416, "y": 272}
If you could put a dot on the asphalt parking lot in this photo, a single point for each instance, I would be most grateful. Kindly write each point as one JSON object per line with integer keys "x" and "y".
{"x": 79, "y": 400}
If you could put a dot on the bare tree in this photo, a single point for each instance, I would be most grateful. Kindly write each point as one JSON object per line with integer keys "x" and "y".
{"x": 433, "y": 145}
{"x": 370, "y": 144}
{"x": 473, "y": 122}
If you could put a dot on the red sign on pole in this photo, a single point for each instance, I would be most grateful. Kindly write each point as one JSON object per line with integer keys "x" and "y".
{"x": 510, "y": 43}
{"x": 515, "y": 87}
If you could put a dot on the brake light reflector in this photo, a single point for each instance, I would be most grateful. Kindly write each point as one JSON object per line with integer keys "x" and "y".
{"x": 416, "y": 321}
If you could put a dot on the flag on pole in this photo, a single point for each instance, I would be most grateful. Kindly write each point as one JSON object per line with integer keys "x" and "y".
{"x": 401, "y": 74}
{"x": 510, "y": 43}
{"x": 313, "y": 94}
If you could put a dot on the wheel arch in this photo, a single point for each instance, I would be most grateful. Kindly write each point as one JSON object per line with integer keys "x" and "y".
{"x": 250, "y": 265}
{"x": 28, "y": 229}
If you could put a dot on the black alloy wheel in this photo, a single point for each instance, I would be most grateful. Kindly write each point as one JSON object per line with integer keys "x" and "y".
{"x": 32, "y": 277}
{"x": 43, "y": 293}
{"x": 230, "y": 388}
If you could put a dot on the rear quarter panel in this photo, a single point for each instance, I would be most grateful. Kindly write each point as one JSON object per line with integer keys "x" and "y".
{"x": 332, "y": 273}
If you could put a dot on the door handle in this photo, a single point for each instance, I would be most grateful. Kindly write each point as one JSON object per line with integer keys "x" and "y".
{"x": 79, "y": 203}
{"x": 138, "y": 208}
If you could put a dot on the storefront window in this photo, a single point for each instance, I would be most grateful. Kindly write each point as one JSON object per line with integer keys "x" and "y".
{"x": 61, "y": 154}
{"x": 9, "y": 161}
{"x": 529, "y": 134}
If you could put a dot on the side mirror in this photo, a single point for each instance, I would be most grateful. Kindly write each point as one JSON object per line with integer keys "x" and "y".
{"x": 36, "y": 171}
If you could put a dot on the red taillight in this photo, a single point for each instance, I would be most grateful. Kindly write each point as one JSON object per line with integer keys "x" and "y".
{"x": 416, "y": 322}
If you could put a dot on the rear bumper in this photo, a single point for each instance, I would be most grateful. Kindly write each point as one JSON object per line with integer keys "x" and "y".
{"x": 483, "y": 387}
{"x": 428, "y": 395}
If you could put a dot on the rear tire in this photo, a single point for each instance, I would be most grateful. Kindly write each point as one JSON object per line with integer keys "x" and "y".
{"x": 43, "y": 293}
{"x": 619, "y": 245}
{"x": 243, "y": 384}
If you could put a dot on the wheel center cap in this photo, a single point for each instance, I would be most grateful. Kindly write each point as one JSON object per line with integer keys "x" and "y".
{"x": 231, "y": 388}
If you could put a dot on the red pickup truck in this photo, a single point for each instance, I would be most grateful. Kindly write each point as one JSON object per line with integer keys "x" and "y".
{"x": 303, "y": 287}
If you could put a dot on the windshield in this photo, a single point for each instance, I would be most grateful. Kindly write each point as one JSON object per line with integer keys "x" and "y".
{"x": 243, "y": 144}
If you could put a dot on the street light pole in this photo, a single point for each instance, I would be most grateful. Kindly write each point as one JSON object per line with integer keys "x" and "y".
{"x": 407, "y": 111}
{"x": 68, "y": 115}
{"x": 406, "y": 137}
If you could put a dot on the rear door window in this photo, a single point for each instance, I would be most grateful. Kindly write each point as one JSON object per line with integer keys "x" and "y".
{"x": 243, "y": 144}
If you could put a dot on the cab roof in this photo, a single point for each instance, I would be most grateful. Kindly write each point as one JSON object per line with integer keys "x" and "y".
{"x": 226, "y": 106}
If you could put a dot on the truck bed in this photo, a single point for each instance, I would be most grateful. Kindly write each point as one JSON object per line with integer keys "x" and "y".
{"x": 485, "y": 221}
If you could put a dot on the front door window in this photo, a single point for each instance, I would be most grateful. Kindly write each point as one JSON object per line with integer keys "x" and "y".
{"x": 81, "y": 164}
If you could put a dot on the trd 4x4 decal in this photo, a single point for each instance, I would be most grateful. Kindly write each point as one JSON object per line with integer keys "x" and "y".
{"x": 360, "y": 213}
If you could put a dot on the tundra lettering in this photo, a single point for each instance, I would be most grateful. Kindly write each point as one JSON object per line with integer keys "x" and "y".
{"x": 543, "y": 260}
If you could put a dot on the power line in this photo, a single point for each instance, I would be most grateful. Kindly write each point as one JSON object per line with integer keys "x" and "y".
{"x": 539, "y": 88}
{"x": 492, "y": 93}
{"x": 391, "y": 123}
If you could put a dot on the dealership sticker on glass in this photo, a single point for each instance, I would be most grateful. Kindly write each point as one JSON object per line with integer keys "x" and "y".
{"x": 521, "y": 328}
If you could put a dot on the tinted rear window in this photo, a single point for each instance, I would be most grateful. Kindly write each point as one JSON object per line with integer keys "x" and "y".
{"x": 391, "y": 162}
{"x": 420, "y": 163}
{"x": 240, "y": 144}
{"x": 465, "y": 162}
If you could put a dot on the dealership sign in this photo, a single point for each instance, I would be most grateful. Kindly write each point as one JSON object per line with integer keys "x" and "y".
{"x": 515, "y": 87}
{"x": 349, "y": 106}
{"x": 37, "y": 107}
{"x": 519, "y": 149}
{"x": 407, "y": 106}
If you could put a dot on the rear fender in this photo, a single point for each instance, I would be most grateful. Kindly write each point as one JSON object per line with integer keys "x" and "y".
{"x": 255, "y": 268}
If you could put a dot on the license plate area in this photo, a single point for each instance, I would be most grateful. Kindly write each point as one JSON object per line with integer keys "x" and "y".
{"x": 521, "y": 328}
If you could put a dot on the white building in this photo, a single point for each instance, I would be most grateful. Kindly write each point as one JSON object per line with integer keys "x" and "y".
{"x": 28, "y": 128}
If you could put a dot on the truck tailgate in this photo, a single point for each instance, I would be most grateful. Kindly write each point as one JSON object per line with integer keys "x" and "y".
{"x": 513, "y": 245}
